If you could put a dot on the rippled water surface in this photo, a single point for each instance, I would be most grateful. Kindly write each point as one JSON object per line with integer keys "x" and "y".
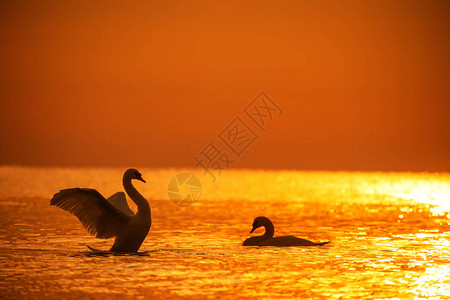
{"x": 390, "y": 236}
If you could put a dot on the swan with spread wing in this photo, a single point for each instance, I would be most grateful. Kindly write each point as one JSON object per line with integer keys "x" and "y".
{"x": 112, "y": 217}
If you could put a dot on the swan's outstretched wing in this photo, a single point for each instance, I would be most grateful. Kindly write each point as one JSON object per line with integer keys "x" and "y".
{"x": 96, "y": 214}
{"x": 120, "y": 202}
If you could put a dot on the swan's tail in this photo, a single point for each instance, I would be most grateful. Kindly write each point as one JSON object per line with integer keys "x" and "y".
{"x": 93, "y": 249}
{"x": 323, "y": 243}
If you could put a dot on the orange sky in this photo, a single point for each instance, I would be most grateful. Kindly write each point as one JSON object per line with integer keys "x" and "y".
{"x": 364, "y": 85}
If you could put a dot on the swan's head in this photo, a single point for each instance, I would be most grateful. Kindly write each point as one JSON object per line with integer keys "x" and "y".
{"x": 258, "y": 222}
{"x": 134, "y": 174}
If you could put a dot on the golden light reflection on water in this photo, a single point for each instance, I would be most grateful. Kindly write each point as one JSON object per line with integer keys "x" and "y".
{"x": 433, "y": 189}
{"x": 390, "y": 237}
{"x": 433, "y": 282}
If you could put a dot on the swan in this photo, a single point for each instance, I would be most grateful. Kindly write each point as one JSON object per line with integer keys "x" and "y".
{"x": 267, "y": 238}
{"x": 112, "y": 217}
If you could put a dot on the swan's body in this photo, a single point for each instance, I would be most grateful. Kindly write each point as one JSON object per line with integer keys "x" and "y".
{"x": 267, "y": 238}
{"x": 112, "y": 217}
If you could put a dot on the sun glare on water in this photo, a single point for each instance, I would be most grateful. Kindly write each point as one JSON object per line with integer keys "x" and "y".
{"x": 432, "y": 189}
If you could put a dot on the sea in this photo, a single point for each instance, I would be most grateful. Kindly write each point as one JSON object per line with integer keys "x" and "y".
{"x": 389, "y": 233}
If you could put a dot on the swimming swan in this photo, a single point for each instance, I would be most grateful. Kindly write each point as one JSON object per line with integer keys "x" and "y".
{"x": 267, "y": 238}
{"x": 112, "y": 217}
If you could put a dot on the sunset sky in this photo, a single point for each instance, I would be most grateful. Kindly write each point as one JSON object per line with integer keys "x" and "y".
{"x": 363, "y": 85}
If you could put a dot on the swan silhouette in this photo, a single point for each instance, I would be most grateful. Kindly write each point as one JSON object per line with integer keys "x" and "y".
{"x": 112, "y": 217}
{"x": 267, "y": 238}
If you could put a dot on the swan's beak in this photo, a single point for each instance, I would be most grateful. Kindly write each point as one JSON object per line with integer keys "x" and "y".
{"x": 253, "y": 229}
{"x": 142, "y": 179}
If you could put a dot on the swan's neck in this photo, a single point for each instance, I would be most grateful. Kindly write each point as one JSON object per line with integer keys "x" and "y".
{"x": 270, "y": 230}
{"x": 141, "y": 202}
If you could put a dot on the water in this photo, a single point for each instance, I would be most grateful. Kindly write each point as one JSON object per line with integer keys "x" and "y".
{"x": 390, "y": 236}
